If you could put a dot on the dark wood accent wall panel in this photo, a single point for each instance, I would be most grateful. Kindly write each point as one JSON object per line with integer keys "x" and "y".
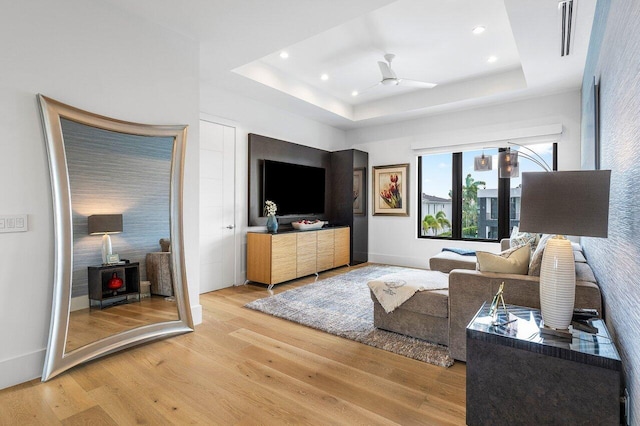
{"x": 265, "y": 148}
{"x": 360, "y": 225}
{"x": 342, "y": 184}
{"x": 339, "y": 165}
{"x": 344, "y": 163}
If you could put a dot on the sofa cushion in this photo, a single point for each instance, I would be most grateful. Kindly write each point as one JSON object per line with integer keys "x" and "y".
{"x": 395, "y": 289}
{"x": 584, "y": 273}
{"x": 536, "y": 257}
{"x": 447, "y": 261}
{"x": 426, "y": 327}
{"x": 434, "y": 303}
{"x": 579, "y": 256}
{"x": 512, "y": 261}
{"x": 433, "y": 300}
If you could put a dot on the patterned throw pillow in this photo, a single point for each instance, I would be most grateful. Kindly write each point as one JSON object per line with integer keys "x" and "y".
{"x": 512, "y": 261}
{"x": 536, "y": 258}
{"x": 522, "y": 238}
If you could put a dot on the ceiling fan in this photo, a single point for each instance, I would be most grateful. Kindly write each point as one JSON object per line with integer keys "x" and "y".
{"x": 389, "y": 77}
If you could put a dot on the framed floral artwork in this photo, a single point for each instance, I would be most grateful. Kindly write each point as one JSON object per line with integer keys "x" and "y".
{"x": 359, "y": 195}
{"x": 391, "y": 190}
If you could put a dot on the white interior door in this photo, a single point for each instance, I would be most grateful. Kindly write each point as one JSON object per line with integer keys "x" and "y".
{"x": 217, "y": 206}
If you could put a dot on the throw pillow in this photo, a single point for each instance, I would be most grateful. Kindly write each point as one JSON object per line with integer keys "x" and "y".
{"x": 522, "y": 238}
{"x": 579, "y": 257}
{"x": 536, "y": 258}
{"x": 512, "y": 261}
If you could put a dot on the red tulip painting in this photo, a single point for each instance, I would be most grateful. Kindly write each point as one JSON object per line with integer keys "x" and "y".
{"x": 390, "y": 190}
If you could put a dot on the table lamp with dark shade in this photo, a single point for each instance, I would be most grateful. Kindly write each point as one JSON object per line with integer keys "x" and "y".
{"x": 105, "y": 224}
{"x": 564, "y": 203}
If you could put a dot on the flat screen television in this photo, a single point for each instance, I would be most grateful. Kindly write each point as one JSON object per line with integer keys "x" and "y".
{"x": 296, "y": 189}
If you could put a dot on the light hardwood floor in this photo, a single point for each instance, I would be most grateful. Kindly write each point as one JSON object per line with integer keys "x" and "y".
{"x": 88, "y": 325}
{"x": 245, "y": 367}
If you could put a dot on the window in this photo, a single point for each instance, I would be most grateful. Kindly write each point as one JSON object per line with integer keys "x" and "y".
{"x": 435, "y": 196}
{"x": 459, "y": 203}
{"x": 479, "y": 190}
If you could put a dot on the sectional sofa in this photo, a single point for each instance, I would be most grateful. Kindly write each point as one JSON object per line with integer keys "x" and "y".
{"x": 442, "y": 316}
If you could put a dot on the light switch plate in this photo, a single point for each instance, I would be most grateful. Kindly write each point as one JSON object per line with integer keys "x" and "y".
{"x": 14, "y": 223}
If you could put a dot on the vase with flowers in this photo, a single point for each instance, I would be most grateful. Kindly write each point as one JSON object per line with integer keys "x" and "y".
{"x": 270, "y": 209}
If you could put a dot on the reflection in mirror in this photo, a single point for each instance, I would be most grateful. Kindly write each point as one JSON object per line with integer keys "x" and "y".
{"x": 119, "y": 266}
{"x": 122, "y": 182}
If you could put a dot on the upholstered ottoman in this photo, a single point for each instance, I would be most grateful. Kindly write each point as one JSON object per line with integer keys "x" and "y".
{"x": 425, "y": 315}
{"x": 446, "y": 261}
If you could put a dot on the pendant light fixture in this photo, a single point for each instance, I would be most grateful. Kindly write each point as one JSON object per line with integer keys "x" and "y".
{"x": 482, "y": 163}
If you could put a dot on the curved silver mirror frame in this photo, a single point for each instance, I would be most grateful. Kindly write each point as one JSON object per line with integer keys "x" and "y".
{"x": 57, "y": 360}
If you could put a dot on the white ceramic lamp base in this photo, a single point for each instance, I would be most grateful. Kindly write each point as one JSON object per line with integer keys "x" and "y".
{"x": 557, "y": 283}
{"x": 106, "y": 248}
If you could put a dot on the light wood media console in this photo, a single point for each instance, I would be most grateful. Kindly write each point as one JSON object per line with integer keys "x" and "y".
{"x": 275, "y": 258}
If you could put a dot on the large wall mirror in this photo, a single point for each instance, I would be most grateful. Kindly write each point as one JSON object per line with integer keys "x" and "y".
{"x": 116, "y": 184}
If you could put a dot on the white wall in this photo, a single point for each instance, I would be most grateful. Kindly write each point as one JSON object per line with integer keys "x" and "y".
{"x": 394, "y": 239}
{"x": 88, "y": 55}
{"x": 391, "y": 239}
{"x": 251, "y": 116}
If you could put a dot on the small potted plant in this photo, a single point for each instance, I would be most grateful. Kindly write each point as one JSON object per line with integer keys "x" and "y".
{"x": 270, "y": 209}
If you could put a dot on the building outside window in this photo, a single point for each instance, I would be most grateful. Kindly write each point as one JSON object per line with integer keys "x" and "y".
{"x": 436, "y": 214}
{"x": 475, "y": 209}
{"x": 489, "y": 223}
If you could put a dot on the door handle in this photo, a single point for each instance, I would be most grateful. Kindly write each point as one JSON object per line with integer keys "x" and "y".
{"x": 230, "y": 227}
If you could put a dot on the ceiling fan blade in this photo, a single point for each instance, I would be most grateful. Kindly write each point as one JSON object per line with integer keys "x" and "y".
{"x": 415, "y": 83}
{"x": 369, "y": 88}
{"x": 386, "y": 70}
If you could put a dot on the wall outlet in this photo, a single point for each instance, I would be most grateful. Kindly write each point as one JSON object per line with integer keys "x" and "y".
{"x": 14, "y": 223}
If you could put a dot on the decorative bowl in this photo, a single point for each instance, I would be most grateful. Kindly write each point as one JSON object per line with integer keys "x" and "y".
{"x": 308, "y": 226}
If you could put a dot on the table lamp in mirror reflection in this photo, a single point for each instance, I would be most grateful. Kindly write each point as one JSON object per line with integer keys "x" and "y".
{"x": 105, "y": 224}
{"x": 563, "y": 203}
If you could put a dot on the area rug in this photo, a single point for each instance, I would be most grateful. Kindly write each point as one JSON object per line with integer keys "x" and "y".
{"x": 342, "y": 306}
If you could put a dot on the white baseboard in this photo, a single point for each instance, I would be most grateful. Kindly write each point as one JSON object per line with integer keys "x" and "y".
{"x": 196, "y": 314}
{"x": 21, "y": 369}
{"x": 80, "y": 302}
{"x": 409, "y": 262}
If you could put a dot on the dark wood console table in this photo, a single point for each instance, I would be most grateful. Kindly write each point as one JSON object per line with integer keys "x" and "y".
{"x": 515, "y": 375}
{"x": 99, "y": 277}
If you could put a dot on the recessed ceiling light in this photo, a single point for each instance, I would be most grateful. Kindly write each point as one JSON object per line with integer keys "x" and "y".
{"x": 491, "y": 59}
{"x": 324, "y": 77}
{"x": 284, "y": 55}
{"x": 478, "y": 30}
{"x": 354, "y": 93}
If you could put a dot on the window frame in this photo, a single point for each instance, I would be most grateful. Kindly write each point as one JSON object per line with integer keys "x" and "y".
{"x": 504, "y": 201}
